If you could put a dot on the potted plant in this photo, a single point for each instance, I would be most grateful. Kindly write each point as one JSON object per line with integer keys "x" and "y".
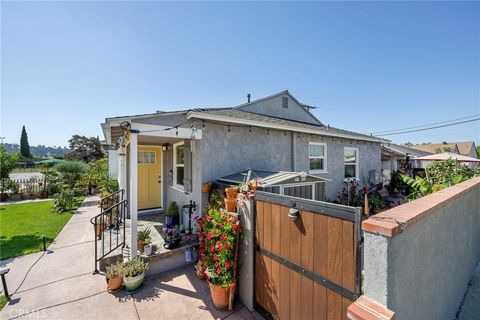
{"x": 133, "y": 272}
{"x": 143, "y": 236}
{"x": 207, "y": 187}
{"x": 172, "y": 214}
{"x": 148, "y": 246}
{"x": 220, "y": 231}
{"x": 114, "y": 277}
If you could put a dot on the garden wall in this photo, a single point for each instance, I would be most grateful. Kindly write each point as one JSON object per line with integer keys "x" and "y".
{"x": 419, "y": 257}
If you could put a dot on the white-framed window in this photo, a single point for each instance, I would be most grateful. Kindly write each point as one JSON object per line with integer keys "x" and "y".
{"x": 178, "y": 164}
{"x": 350, "y": 159}
{"x": 317, "y": 157}
{"x": 146, "y": 157}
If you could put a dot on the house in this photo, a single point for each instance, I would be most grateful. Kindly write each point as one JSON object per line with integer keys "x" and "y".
{"x": 465, "y": 148}
{"x": 177, "y": 151}
{"x": 399, "y": 158}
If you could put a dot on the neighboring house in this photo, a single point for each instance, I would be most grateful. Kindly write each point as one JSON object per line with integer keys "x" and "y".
{"x": 466, "y": 148}
{"x": 177, "y": 151}
{"x": 399, "y": 158}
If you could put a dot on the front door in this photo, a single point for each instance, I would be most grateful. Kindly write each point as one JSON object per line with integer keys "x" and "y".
{"x": 149, "y": 177}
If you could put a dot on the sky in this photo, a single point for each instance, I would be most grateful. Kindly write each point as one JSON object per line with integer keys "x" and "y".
{"x": 366, "y": 66}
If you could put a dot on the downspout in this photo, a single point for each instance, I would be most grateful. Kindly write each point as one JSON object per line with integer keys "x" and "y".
{"x": 292, "y": 156}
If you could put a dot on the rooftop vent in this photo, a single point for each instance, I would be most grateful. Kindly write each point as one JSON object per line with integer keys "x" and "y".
{"x": 285, "y": 102}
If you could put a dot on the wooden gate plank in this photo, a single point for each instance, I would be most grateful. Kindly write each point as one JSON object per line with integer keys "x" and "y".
{"x": 306, "y": 306}
{"x": 295, "y": 288}
{"x": 285, "y": 232}
{"x": 319, "y": 301}
{"x": 267, "y": 226}
{"x": 334, "y": 250}
{"x": 320, "y": 229}
{"x": 259, "y": 278}
{"x": 284, "y": 293}
{"x": 267, "y": 276}
{"x": 334, "y": 305}
{"x": 348, "y": 263}
{"x": 259, "y": 223}
{"x": 295, "y": 233}
{"x": 276, "y": 229}
{"x": 275, "y": 287}
{"x": 306, "y": 260}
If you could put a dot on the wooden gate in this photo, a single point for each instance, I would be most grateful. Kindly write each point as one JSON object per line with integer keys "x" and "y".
{"x": 308, "y": 268}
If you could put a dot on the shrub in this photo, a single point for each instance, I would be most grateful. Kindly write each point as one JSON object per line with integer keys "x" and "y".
{"x": 172, "y": 209}
{"x": 144, "y": 235}
{"x": 64, "y": 201}
{"x": 134, "y": 267}
{"x": 70, "y": 171}
{"x": 7, "y": 163}
{"x": 114, "y": 270}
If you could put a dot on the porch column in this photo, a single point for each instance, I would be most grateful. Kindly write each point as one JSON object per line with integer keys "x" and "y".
{"x": 122, "y": 173}
{"x": 133, "y": 192}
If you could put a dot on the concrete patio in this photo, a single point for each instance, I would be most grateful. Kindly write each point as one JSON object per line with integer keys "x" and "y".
{"x": 58, "y": 284}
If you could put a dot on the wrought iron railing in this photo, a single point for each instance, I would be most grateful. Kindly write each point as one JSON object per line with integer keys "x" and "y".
{"x": 109, "y": 226}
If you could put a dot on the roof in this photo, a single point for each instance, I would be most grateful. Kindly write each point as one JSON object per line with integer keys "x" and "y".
{"x": 268, "y": 178}
{"x": 464, "y": 147}
{"x": 446, "y": 156}
{"x": 434, "y": 147}
{"x": 231, "y": 114}
{"x": 403, "y": 150}
{"x": 235, "y": 115}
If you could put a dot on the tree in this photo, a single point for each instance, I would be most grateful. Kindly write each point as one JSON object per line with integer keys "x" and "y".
{"x": 24, "y": 146}
{"x": 71, "y": 171}
{"x": 84, "y": 149}
{"x": 7, "y": 163}
{"x": 478, "y": 152}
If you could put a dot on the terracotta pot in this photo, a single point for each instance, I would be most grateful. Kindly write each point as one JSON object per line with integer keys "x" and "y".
{"x": 114, "y": 283}
{"x": 220, "y": 296}
{"x": 206, "y": 187}
{"x": 230, "y": 204}
{"x": 231, "y": 192}
{"x": 140, "y": 246}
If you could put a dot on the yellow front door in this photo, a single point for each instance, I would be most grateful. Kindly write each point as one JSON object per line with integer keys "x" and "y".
{"x": 149, "y": 177}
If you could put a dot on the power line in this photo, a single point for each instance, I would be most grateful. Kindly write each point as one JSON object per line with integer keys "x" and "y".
{"x": 425, "y": 125}
{"x": 424, "y": 129}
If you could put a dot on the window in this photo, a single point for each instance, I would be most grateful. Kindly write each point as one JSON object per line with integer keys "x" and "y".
{"x": 350, "y": 158}
{"x": 146, "y": 157}
{"x": 317, "y": 154}
{"x": 178, "y": 164}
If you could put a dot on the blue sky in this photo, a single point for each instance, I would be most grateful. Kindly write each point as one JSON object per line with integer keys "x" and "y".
{"x": 65, "y": 66}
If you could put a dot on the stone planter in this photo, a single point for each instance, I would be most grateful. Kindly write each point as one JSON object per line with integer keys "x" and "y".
{"x": 133, "y": 283}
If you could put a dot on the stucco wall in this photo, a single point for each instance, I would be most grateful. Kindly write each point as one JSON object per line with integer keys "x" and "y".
{"x": 369, "y": 155}
{"x": 423, "y": 272}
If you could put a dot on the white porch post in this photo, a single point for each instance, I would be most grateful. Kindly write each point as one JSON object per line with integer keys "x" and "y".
{"x": 133, "y": 193}
{"x": 122, "y": 173}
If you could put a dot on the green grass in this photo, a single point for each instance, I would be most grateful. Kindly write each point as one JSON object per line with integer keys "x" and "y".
{"x": 3, "y": 301}
{"x": 23, "y": 224}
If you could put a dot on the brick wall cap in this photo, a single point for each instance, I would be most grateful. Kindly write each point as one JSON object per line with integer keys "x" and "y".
{"x": 367, "y": 309}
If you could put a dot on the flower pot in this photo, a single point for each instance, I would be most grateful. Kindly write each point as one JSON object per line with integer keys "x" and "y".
{"x": 207, "y": 187}
{"x": 231, "y": 192}
{"x": 133, "y": 283}
{"x": 114, "y": 283}
{"x": 231, "y": 204}
{"x": 220, "y": 296}
{"x": 148, "y": 250}
{"x": 140, "y": 246}
{"x": 169, "y": 221}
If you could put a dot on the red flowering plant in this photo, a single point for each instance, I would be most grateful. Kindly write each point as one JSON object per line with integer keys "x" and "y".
{"x": 217, "y": 252}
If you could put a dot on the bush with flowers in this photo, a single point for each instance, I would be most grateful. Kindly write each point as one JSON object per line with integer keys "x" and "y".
{"x": 219, "y": 231}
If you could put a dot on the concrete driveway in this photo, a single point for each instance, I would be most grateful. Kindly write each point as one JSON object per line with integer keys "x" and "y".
{"x": 58, "y": 284}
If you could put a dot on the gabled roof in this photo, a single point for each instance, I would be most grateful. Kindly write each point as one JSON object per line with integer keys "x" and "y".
{"x": 303, "y": 107}
{"x": 435, "y": 147}
{"x": 464, "y": 147}
{"x": 404, "y": 151}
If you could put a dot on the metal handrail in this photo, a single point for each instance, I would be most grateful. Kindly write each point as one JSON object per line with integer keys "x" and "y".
{"x": 111, "y": 218}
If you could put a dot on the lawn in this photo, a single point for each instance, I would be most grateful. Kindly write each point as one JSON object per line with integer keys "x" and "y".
{"x": 23, "y": 224}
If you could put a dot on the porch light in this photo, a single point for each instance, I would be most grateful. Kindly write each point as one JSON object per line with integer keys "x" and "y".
{"x": 121, "y": 146}
{"x": 165, "y": 147}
